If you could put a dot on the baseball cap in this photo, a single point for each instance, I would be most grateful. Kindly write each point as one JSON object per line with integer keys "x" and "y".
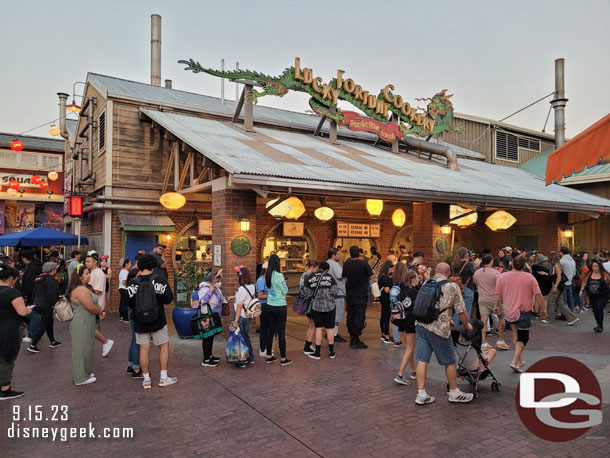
{"x": 265, "y": 265}
{"x": 507, "y": 248}
{"x": 160, "y": 245}
{"x": 418, "y": 254}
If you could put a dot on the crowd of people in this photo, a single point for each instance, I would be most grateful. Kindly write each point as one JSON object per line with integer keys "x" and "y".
{"x": 508, "y": 288}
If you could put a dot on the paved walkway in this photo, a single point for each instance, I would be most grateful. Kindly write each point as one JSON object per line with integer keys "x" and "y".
{"x": 332, "y": 408}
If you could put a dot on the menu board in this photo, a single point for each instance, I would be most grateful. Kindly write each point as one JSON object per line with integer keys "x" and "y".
{"x": 358, "y": 230}
{"x": 204, "y": 227}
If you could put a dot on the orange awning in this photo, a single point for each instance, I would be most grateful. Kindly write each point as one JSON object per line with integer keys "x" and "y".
{"x": 587, "y": 149}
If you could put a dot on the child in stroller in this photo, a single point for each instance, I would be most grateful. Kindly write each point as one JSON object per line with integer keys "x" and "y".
{"x": 472, "y": 362}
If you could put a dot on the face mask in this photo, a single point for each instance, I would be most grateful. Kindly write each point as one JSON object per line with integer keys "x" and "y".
{"x": 217, "y": 284}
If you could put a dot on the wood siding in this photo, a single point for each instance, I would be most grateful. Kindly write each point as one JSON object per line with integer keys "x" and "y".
{"x": 476, "y": 137}
{"x": 594, "y": 234}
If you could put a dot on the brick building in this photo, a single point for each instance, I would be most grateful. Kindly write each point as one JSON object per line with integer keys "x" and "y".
{"x": 135, "y": 142}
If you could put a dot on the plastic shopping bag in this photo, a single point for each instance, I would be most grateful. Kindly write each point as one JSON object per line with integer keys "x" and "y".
{"x": 237, "y": 349}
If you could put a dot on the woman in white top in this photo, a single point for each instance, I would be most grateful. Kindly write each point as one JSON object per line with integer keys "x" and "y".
{"x": 123, "y": 309}
{"x": 245, "y": 293}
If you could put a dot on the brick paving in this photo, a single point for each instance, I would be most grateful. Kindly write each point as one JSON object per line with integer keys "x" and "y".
{"x": 332, "y": 408}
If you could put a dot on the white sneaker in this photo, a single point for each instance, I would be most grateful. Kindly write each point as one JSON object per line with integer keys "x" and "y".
{"x": 168, "y": 381}
{"x": 424, "y": 399}
{"x": 460, "y": 396}
{"x": 574, "y": 321}
{"x": 485, "y": 347}
{"x": 26, "y": 339}
{"x": 263, "y": 354}
{"x": 88, "y": 381}
{"x": 107, "y": 347}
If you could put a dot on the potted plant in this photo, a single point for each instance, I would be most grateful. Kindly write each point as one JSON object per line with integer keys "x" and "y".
{"x": 187, "y": 283}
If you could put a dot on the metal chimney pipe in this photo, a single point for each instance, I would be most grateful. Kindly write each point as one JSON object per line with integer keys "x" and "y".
{"x": 155, "y": 50}
{"x": 168, "y": 84}
{"x": 559, "y": 102}
{"x": 63, "y": 98}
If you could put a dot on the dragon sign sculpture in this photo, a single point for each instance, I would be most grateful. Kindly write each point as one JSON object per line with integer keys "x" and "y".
{"x": 435, "y": 119}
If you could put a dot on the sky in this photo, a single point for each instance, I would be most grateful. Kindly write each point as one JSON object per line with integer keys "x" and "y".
{"x": 494, "y": 56}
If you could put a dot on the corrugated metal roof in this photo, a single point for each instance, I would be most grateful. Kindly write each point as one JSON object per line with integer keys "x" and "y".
{"x": 224, "y": 145}
{"x": 146, "y": 93}
{"x": 33, "y": 143}
{"x": 144, "y": 219}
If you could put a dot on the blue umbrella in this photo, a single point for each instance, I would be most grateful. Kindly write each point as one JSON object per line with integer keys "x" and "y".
{"x": 41, "y": 236}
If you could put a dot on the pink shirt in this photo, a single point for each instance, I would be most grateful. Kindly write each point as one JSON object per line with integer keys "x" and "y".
{"x": 517, "y": 290}
{"x": 486, "y": 278}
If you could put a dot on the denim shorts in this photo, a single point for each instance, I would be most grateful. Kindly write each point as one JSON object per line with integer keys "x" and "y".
{"x": 524, "y": 322}
{"x": 428, "y": 343}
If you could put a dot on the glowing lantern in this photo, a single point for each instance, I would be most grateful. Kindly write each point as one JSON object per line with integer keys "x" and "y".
{"x": 36, "y": 179}
{"x": 399, "y": 217}
{"x": 297, "y": 208}
{"x": 568, "y": 233}
{"x": 11, "y": 192}
{"x": 54, "y": 130}
{"x": 324, "y": 213}
{"x": 53, "y": 176}
{"x": 43, "y": 184}
{"x": 456, "y": 210}
{"x": 16, "y": 145}
{"x": 500, "y": 220}
{"x": 13, "y": 184}
{"x": 280, "y": 210}
{"x": 73, "y": 107}
{"x": 172, "y": 200}
{"x": 374, "y": 206}
{"x": 446, "y": 230}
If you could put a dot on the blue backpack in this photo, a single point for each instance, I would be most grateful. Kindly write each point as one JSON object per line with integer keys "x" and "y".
{"x": 426, "y": 308}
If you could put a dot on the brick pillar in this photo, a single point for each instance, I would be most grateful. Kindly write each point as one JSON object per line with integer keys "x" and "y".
{"x": 548, "y": 232}
{"x": 228, "y": 205}
{"x": 426, "y": 231}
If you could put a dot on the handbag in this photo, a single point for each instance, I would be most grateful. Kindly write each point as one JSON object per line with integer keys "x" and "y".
{"x": 62, "y": 311}
{"x": 302, "y": 304}
{"x": 205, "y": 325}
{"x": 375, "y": 289}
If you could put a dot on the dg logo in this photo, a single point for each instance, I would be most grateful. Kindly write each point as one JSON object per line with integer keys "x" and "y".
{"x": 559, "y": 399}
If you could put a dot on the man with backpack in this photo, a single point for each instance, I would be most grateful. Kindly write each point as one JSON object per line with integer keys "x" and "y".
{"x": 433, "y": 309}
{"x": 147, "y": 294}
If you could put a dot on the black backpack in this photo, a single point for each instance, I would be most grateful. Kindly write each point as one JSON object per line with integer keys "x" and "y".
{"x": 426, "y": 308}
{"x": 146, "y": 308}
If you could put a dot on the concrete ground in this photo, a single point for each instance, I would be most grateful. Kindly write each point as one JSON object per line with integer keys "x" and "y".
{"x": 348, "y": 406}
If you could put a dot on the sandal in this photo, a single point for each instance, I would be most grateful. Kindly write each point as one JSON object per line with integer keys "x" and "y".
{"x": 516, "y": 368}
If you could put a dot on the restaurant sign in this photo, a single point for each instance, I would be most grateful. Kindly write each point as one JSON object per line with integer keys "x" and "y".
{"x": 434, "y": 119}
{"x": 358, "y": 230}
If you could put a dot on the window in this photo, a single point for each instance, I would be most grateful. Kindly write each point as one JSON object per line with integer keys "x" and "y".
{"x": 101, "y": 133}
{"x": 508, "y": 145}
{"x": 31, "y": 161}
{"x": 51, "y": 162}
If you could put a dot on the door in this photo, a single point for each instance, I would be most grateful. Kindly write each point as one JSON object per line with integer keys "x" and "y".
{"x": 137, "y": 243}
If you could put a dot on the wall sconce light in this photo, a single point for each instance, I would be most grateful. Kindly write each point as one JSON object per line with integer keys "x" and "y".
{"x": 168, "y": 237}
{"x": 446, "y": 230}
{"x": 50, "y": 193}
{"x": 244, "y": 223}
{"x": 568, "y": 233}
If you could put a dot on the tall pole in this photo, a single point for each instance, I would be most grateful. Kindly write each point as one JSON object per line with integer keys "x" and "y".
{"x": 559, "y": 103}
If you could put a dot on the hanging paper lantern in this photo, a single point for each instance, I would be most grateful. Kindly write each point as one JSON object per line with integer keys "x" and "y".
{"x": 36, "y": 179}
{"x": 43, "y": 184}
{"x": 456, "y": 210}
{"x": 54, "y": 130}
{"x": 374, "y": 206}
{"x": 500, "y": 221}
{"x": 399, "y": 217}
{"x": 172, "y": 200}
{"x": 280, "y": 210}
{"x": 53, "y": 176}
{"x": 13, "y": 184}
{"x": 324, "y": 213}
{"x": 11, "y": 192}
{"x": 297, "y": 208}
{"x": 16, "y": 145}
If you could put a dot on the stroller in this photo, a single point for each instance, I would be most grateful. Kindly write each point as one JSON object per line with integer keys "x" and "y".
{"x": 472, "y": 362}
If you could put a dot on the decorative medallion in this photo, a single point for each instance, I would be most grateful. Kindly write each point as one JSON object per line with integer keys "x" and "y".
{"x": 241, "y": 245}
{"x": 442, "y": 245}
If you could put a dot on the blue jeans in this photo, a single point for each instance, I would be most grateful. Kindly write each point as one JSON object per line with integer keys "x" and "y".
{"x": 568, "y": 297}
{"x": 468, "y": 296}
{"x": 134, "y": 350}
{"x": 395, "y": 333}
{"x": 262, "y": 337}
{"x": 244, "y": 327}
{"x": 33, "y": 323}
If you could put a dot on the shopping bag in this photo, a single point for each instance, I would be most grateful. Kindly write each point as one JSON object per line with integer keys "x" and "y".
{"x": 237, "y": 349}
{"x": 205, "y": 325}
